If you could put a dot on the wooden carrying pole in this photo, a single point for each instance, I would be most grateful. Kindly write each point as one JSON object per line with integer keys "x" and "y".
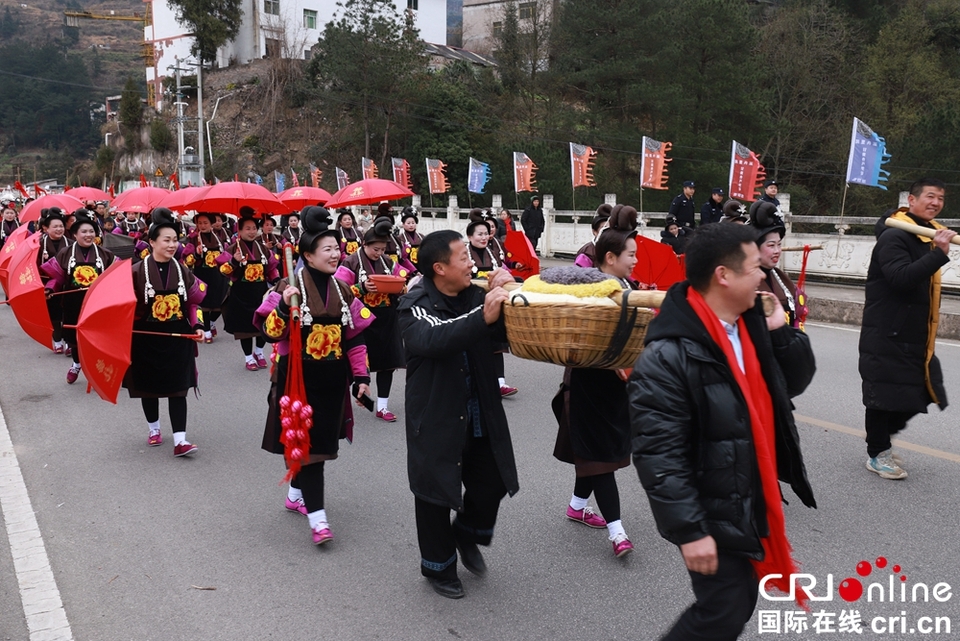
{"x": 926, "y": 232}
{"x": 800, "y": 249}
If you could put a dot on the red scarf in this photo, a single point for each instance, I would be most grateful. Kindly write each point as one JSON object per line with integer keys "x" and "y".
{"x": 776, "y": 547}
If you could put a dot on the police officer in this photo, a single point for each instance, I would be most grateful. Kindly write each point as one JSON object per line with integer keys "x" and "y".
{"x": 770, "y": 191}
{"x": 682, "y": 207}
{"x": 712, "y": 210}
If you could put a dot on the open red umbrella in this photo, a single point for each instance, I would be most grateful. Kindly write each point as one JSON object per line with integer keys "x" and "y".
{"x": 520, "y": 251}
{"x": 297, "y": 198}
{"x": 141, "y": 199}
{"x": 180, "y": 199}
{"x": 27, "y": 297}
{"x": 89, "y": 193}
{"x": 656, "y": 263}
{"x": 66, "y": 202}
{"x": 229, "y": 197}
{"x": 367, "y": 192}
{"x": 14, "y": 241}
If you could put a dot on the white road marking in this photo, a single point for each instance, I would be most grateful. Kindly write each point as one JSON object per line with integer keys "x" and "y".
{"x": 42, "y": 607}
{"x": 944, "y": 342}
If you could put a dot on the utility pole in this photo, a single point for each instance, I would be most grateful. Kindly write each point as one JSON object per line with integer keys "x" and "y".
{"x": 190, "y": 163}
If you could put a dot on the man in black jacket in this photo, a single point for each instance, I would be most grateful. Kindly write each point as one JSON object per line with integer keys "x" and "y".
{"x": 695, "y": 436}
{"x": 532, "y": 222}
{"x": 901, "y": 375}
{"x": 457, "y": 432}
{"x": 682, "y": 206}
{"x": 712, "y": 210}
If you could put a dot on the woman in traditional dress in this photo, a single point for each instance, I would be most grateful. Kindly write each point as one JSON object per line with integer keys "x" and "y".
{"x": 485, "y": 260}
{"x": 268, "y": 237}
{"x": 52, "y": 241}
{"x": 592, "y": 409}
{"x": 222, "y": 227}
{"x": 203, "y": 249}
{"x": 72, "y": 271}
{"x": 251, "y": 269}
{"x": 131, "y": 225}
{"x": 409, "y": 239}
{"x": 348, "y": 234}
{"x": 292, "y": 233}
{"x": 770, "y": 231}
{"x": 384, "y": 345}
{"x": 9, "y": 223}
{"x": 168, "y": 296}
{"x": 334, "y": 356}
{"x": 586, "y": 255}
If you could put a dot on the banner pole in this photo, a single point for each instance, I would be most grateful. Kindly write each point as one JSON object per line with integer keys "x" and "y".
{"x": 469, "y": 200}
{"x": 843, "y": 203}
{"x": 574, "y": 190}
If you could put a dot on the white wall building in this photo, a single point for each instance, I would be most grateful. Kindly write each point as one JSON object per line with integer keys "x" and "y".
{"x": 483, "y": 21}
{"x": 286, "y": 28}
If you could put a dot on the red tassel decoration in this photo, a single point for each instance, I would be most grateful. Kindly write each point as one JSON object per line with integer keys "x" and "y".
{"x": 296, "y": 415}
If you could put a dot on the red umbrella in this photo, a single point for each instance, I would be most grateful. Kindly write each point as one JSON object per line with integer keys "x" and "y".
{"x": 299, "y": 197}
{"x": 141, "y": 199}
{"x": 180, "y": 199}
{"x": 66, "y": 202}
{"x": 27, "y": 297}
{"x": 656, "y": 263}
{"x": 90, "y": 193}
{"x": 7, "y": 254}
{"x": 520, "y": 251}
{"x": 367, "y": 192}
{"x": 229, "y": 197}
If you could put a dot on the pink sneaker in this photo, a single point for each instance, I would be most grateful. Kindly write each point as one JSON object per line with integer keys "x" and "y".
{"x": 296, "y": 506}
{"x": 57, "y": 348}
{"x": 252, "y": 367}
{"x": 261, "y": 362}
{"x": 506, "y": 390}
{"x": 184, "y": 449}
{"x": 72, "y": 375}
{"x": 586, "y": 516}
{"x": 322, "y": 534}
{"x": 68, "y": 351}
{"x": 155, "y": 439}
{"x": 387, "y": 415}
{"x": 213, "y": 330}
{"x": 621, "y": 545}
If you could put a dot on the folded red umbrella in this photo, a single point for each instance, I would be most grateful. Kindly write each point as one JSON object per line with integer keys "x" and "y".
{"x": 656, "y": 264}
{"x": 180, "y": 199}
{"x": 27, "y": 297}
{"x": 66, "y": 202}
{"x": 520, "y": 251}
{"x": 90, "y": 193}
{"x": 14, "y": 241}
{"x": 105, "y": 328}
{"x": 229, "y": 197}
{"x": 299, "y": 197}
{"x": 367, "y": 192}
{"x": 141, "y": 199}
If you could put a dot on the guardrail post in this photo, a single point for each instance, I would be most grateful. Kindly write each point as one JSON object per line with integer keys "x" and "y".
{"x": 548, "y": 214}
{"x": 453, "y": 212}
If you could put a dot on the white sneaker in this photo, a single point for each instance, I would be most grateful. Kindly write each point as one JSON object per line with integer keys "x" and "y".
{"x": 886, "y": 466}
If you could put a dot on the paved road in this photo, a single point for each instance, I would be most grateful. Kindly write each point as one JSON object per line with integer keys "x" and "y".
{"x": 130, "y": 530}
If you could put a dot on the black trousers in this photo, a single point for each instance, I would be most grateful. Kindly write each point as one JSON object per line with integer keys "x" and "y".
{"x": 725, "y": 602}
{"x": 881, "y": 425}
{"x": 483, "y": 491}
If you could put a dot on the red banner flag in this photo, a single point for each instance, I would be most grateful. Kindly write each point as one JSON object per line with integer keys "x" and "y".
{"x": 174, "y": 181}
{"x": 38, "y": 190}
{"x": 23, "y": 190}
{"x": 315, "y": 175}
{"x": 293, "y": 174}
{"x": 653, "y": 166}
{"x": 370, "y": 169}
{"x": 112, "y": 192}
{"x": 581, "y": 165}
{"x": 746, "y": 173}
{"x": 524, "y": 172}
{"x": 143, "y": 180}
{"x": 436, "y": 177}
{"x": 401, "y": 172}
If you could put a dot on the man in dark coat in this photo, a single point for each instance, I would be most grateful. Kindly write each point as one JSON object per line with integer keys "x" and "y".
{"x": 770, "y": 190}
{"x": 901, "y": 374}
{"x": 532, "y": 222}
{"x": 682, "y": 206}
{"x": 710, "y": 363}
{"x": 457, "y": 432}
{"x": 712, "y": 210}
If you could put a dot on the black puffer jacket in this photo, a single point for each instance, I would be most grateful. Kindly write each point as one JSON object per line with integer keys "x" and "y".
{"x": 693, "y": 446}
{"x": 893, "y": 336}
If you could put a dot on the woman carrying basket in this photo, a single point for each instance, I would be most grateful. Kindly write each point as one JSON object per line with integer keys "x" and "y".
{"x": 333, "y": 354}
{"x": 591, "y": 406}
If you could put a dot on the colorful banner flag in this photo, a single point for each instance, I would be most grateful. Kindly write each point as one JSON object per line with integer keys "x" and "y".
{"x": 342, "y": 178}
{"x": 257, "y": 178}
{"x": 401, "y": 172}
{"x": 174, "y": 181}
{"x": 582, "y": 158}
{"x": 293, "y": 177}
{"x": 143, "y": 180}
{"x": 436, "y": 177}
{"x": 746, "y": 173}
{"x": 653, "y": 164}
{"x": 315, "y": 175}
{"x": 868, "y": 152}
{"x": 524, "y": 172}
{"x": 279, "y": 180}
{"x": 370, "y": 169}
{"x": 477, "y": 176}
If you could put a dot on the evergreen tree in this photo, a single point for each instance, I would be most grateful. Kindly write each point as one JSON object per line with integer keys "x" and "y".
{"x": 213, "y": 23}
{"x": 130, "y": 114}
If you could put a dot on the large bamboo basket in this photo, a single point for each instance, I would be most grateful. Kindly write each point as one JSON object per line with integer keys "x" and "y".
{"x": 576, "y": 335}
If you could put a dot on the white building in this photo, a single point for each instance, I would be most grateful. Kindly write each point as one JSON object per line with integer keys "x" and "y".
{"x": 483, "y": 21}
{"x": 286, "y": 28}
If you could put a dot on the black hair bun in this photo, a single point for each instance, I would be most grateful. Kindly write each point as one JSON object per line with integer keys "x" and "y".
{"x": 476, "y": 215}
{"x": 764, "y": 214}
{"x": 162, "y": 216}
{"x": 382, "y": 226}
{"x": 315, "y": 220}
{"x": 623, "y": 218}
{"x": 604, "y": 211}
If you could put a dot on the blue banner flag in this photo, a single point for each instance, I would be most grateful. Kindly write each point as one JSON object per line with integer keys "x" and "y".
{"x": 280, "y": 181}
{"x": 478, "y": 177}
{"x": 868, "y": 152}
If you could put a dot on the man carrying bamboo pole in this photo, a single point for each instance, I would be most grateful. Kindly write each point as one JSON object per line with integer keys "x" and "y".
{"x": 900, "y": 373}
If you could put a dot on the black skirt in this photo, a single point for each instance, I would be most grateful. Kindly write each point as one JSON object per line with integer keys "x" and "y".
{"x": 160, "y": 366}
{"x": 593, "y": 416}
{"x": 384, "y": 345}
{"x": 217, "y": 284}
{"x": 71, "y": 302}
{"x": 242, "y": 304}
